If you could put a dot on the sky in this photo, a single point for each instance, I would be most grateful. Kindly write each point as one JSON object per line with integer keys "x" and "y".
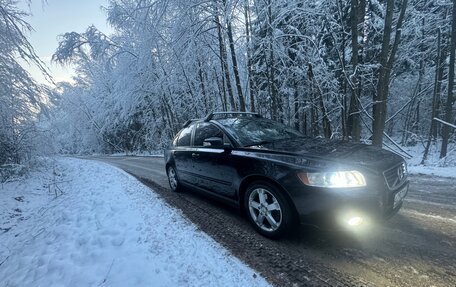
{"x": 55, "y": 17}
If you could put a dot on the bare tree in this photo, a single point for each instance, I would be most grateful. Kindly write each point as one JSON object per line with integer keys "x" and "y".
{"x": 21, "y": 98}
{"x": 249, "y": 56}
{"x": 450, "y": 99}
{"x": 435, "y": 95}
{"x": 234, "y": 62}
{"x": 387, "y": 55}
{"x": 224, "y": 62}
{"x": 358, "y": 8}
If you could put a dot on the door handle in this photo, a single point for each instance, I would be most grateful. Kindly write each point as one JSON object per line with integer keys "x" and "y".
{"x": 195, "y": 155}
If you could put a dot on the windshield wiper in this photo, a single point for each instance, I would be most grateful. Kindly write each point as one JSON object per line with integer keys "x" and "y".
{"x": 274, "y": 141}
{"x": 259, "y": 143}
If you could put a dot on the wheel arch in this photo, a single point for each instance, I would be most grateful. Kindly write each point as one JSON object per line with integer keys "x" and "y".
{"x": 169, "y": 162}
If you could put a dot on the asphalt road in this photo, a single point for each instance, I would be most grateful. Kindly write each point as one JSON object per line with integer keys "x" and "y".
{"x": 417, "y": 247}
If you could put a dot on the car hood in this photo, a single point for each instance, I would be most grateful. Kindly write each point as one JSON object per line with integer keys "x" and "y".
{"x": 336, "y": 150}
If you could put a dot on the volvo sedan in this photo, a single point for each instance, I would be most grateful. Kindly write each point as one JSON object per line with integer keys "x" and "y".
{"x": 281, "y": 178}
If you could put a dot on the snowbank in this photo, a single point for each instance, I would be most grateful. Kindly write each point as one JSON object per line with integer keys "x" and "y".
{"x": 82, "y": 223}
{"x": 449, "y": 171}
{"x": 433, "y": 165}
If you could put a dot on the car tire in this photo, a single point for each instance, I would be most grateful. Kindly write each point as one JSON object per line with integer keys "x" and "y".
{"x": 173, "y": 179}
{"x": 268, "y": 210}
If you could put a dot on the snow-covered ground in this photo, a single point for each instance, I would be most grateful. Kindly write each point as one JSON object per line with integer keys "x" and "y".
{"x": 433, "y": 170}
{"x": 83, "y": 223}
{"x": 433, "y": 165}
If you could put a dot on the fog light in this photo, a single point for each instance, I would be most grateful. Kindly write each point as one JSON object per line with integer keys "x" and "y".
{"x": 355, "y": 221}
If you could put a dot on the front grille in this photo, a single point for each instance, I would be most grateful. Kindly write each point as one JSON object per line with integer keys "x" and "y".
{"x": 395, "y": 176}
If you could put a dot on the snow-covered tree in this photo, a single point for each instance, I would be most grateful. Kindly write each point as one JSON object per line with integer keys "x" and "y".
{"x": 353, "y": 69}
{"x": 21, "y": 98}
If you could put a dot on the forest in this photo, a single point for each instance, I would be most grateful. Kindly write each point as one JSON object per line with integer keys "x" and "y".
{"x": 376, "y": 71}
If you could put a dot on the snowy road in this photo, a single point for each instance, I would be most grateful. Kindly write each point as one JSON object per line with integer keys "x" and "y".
{"x": 417, "y": 247}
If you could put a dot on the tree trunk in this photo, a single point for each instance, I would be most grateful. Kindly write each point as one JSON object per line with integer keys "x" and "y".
{"x": 235, "y": 65}
{"x": 432, "y": 127}
{"x": 314, "y": 118}
{"x": 273, "y": 93}
{"x": 224, "y": 64}
{"x": 450, "y": 99}
{"x": 305, "y": 123}
{"x": 317, "y": 95}
{"x": 296, "y": 108}
{"x": 353, "y": 121}
{"x": 249, "y": 56}
{"x": 221, "y": 89}
{"x": 416, "y": 123}
{"x": 203, "y": 88}
{"x": 341, "y": 76}
{"x": 438, "y": 89}
{"x": 386, "y": 64}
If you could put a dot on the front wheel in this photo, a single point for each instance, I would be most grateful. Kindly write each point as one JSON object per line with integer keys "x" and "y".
{"x": 173, "y": 179}
{"x": 268, "y": 210}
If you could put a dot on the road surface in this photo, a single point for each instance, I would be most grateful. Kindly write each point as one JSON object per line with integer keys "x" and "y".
{"x": 417, "y": 247}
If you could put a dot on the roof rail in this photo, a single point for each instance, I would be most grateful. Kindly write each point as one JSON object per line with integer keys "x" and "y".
{"x": 187, "y": 123}
{"x": 211, "y": 115}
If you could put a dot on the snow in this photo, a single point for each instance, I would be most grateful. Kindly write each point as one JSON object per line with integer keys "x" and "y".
{"x": 445, "y": 123}
{"x": 433, "y": 170}
{"x": 433, "y": 165}
{"x": 84, "y": 223}
{"x": 430, "y": 216}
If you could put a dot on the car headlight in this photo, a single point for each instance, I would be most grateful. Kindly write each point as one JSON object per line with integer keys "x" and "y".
{"x": 336, "y": 179}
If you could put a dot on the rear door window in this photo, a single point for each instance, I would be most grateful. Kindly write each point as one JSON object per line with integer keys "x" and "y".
{"x": 176, "y": 138}
{"x": 185, "y": 136}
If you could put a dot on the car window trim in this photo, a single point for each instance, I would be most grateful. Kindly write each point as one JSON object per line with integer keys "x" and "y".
{"x": 194, "y": 126}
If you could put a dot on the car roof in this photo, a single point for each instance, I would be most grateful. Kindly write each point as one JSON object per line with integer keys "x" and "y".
{"x": 214, "y": 116}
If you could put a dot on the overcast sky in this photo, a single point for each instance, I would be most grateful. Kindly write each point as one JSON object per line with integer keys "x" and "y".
{"x": 55, "y": 18}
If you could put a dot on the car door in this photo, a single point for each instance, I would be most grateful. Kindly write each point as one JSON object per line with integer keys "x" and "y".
{"x": 212, "y": 165}
{"x": 183, "y": 156}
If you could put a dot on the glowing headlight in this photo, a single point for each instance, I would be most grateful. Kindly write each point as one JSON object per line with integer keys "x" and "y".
{"x": 337, "y": 179}
{"x": 355, "y": 221}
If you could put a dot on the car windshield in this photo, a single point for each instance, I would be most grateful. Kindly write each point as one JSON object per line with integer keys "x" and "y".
{"x": 250, "y": 131}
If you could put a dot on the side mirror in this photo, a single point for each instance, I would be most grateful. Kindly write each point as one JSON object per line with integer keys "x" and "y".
{"x": 213, "y": 142}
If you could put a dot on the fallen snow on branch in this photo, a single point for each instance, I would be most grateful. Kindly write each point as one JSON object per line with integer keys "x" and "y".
{"x": 104, "y": 229}
{"x": 445, "y": 123}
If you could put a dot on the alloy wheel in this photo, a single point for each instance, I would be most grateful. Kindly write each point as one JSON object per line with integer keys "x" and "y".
{"x": 265, "y": 209}
{"x": 172, "y": 178}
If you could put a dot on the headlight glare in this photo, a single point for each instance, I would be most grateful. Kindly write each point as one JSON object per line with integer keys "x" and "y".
{"x": 335, "y": 179}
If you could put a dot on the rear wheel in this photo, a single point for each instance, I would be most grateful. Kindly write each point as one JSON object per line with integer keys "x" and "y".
{"x": 173, "y": 179}
{"x": 268, "y": 210}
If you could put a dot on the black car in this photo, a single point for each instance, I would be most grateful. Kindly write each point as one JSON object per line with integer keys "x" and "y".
{"x": 280, "y": 177}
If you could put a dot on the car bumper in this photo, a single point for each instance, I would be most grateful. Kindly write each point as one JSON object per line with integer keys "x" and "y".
{"x": 329, "y": 206}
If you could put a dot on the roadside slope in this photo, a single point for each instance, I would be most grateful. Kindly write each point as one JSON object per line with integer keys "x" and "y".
{"x": 104, "y": 228}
